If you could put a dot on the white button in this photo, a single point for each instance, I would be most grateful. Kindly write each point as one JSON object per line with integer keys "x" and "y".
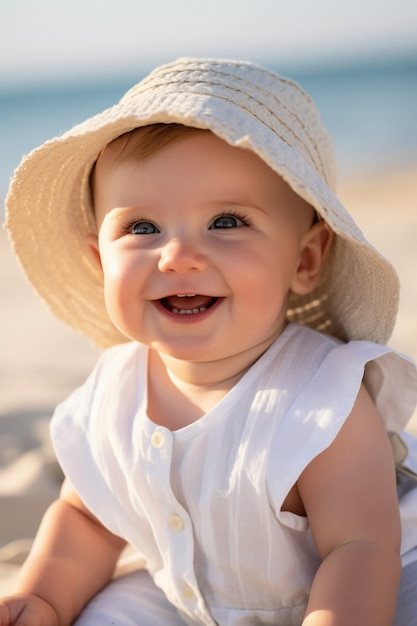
{"x": 176, "y": 522}
{"x": 189, "y": 593}
{"x": 158, "y": 440}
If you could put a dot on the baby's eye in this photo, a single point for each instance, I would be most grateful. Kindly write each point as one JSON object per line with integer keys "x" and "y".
{"x": 227, "y": 221}
{"x": 143, "y": 228}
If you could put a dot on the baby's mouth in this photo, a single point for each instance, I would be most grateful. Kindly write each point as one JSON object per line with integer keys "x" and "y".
{"x": 188, "y": 303}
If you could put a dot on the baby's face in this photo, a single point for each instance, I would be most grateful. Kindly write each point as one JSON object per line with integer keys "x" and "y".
{"x": 199, "y": 244}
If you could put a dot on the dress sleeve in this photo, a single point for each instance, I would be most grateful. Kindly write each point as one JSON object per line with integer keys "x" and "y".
{"x": 88, "y": 430}
{"x": 320, "y": 410}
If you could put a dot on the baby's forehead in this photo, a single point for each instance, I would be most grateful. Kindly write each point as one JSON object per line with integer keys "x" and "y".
{"x": 141, "y": 144}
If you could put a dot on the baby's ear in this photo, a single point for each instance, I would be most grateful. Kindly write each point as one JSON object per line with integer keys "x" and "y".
{"x": 92, "y": 243}
{"x": 314, "y": 247}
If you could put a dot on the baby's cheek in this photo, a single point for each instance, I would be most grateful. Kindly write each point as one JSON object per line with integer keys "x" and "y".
{"x": 114, "y": 291}
{"x": 122, "y": 297}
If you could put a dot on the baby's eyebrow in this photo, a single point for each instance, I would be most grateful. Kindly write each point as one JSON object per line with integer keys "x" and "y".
{"x": 119, "y": 214}
{"x": 236, "y": 204}
{"x": 122, "y": 211}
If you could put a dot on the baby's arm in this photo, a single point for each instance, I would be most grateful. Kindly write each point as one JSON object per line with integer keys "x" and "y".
{"x": 72, "y": 558}
{"x": 349, "y": 493}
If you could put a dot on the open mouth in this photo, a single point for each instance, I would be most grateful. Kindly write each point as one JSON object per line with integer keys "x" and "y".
{"x": 188, "y": 303}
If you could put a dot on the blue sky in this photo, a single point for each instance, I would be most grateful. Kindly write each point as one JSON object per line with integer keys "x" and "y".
{"x": 61, "y": 38}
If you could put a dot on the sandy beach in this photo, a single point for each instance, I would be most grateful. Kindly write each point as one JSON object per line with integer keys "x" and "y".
{"x": 41, "y": 360}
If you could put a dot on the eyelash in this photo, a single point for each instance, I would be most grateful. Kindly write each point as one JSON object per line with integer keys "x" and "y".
{"x": 128, "y": 225}
{"x": 237, "y": 214}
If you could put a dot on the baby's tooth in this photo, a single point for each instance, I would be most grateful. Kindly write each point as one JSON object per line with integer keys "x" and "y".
{"x": 189, "y": 311}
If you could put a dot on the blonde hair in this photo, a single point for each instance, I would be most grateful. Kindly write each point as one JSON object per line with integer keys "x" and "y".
{"x": 145, "y": 141}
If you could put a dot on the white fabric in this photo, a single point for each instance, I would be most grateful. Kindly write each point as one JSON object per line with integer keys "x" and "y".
{"x": 117, "y": 604}
{"x": 406, "y": 612}
{"x": 202, "y": 505}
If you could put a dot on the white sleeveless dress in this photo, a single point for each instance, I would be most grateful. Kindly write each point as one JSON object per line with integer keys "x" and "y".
{"x": 202, "y": 505}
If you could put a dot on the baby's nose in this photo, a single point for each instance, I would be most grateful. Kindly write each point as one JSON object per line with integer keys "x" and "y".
{"x": 181, "y": 256}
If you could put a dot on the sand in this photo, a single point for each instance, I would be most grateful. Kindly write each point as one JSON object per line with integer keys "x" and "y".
{"x": 41, "y": 360}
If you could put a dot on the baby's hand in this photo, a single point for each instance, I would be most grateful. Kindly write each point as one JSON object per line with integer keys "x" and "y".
{"x": 26, "y": 610}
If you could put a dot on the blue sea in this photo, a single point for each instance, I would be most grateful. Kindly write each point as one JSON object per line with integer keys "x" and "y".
{"x": 369, "y": 108}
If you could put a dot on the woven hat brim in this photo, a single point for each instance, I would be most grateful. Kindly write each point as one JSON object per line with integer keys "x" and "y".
{"x": 49, "y": 212}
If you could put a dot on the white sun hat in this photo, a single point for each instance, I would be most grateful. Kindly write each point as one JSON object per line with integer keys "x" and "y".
{"x": 49, "y": 210}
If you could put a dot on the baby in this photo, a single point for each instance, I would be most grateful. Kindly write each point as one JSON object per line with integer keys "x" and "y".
{"x": 234, "y": 431}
